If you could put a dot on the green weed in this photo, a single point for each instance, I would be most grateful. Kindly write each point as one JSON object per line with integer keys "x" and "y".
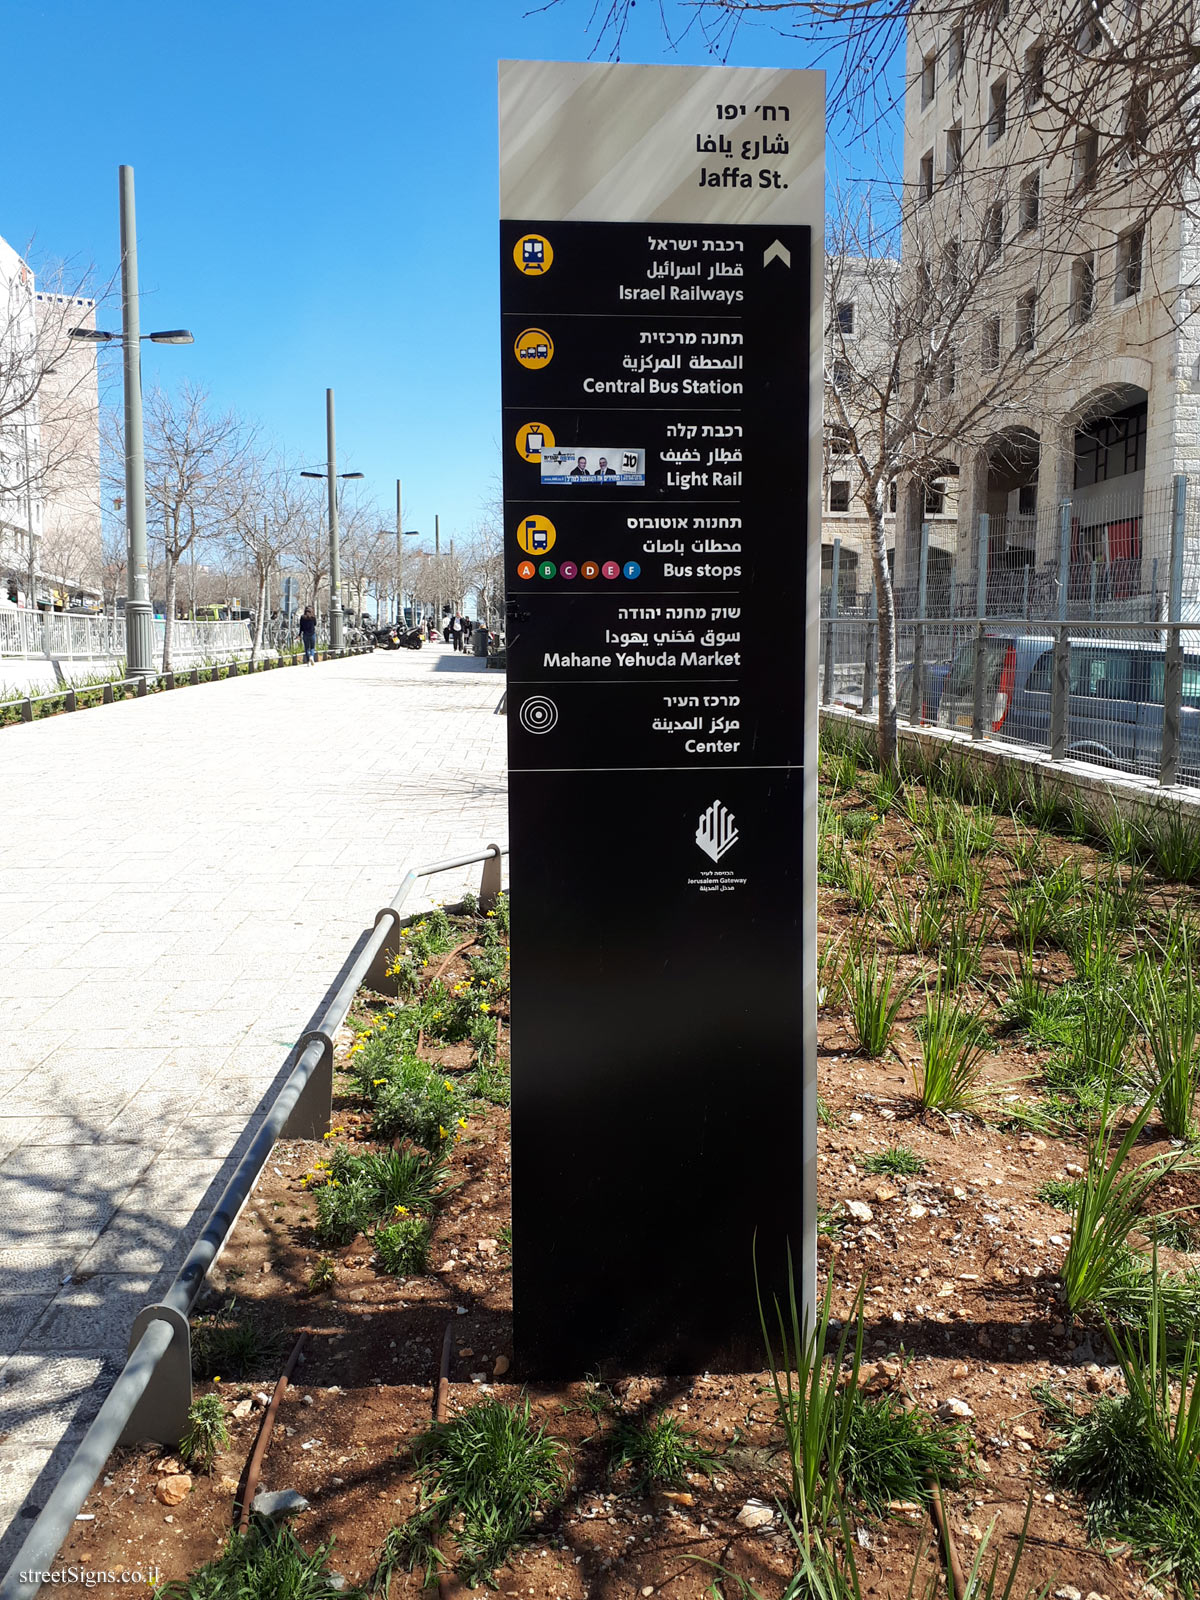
{"x": 402, "y": 1246}
{"x": 268, "y": 1563}
{"x": 896, "y": 1161}
{"x": 891, "y": 1454}
{"x": 206, "y": 1435}
{"x": 489, "y": 1469}
{"x": 658, "y": 1452}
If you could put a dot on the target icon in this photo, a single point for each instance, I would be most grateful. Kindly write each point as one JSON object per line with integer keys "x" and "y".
{"x": 538, "y": 715}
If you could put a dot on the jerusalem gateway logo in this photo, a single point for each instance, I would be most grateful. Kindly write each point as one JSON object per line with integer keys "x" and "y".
{"x": 716, "y": 833}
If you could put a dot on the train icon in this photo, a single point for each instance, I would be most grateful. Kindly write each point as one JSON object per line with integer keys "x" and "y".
{"x": 533, "y": 254}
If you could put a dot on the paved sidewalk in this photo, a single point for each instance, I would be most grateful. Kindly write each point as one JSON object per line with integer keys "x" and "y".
{"x": 180, "y": 880}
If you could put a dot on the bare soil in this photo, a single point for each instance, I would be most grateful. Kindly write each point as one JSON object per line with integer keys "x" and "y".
{"x": 960, "y": 1265}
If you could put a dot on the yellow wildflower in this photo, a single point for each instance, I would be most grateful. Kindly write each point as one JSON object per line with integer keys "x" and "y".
{"x": 401, "y": 1211}
{"x": 441, "y": 1132}
{"x": 462, "y": 1122}
{"x": 375, "y": 1082}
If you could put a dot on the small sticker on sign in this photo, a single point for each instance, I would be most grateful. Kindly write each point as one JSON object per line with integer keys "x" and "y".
{"x": 584, "y": 464}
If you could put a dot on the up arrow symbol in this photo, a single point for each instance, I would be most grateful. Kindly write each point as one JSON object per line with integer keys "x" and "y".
{"x": 777, "y": 252}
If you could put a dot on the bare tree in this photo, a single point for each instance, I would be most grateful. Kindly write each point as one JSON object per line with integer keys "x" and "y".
{"x": 483, "y": 567}
{"x": 262, "y": 509}
{"x": 192, "y": 457}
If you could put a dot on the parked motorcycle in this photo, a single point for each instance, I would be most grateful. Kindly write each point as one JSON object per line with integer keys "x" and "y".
{"x": 390, "y": 636}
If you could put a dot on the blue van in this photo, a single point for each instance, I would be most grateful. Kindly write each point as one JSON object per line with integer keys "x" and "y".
{"x": 1115, "y": 706}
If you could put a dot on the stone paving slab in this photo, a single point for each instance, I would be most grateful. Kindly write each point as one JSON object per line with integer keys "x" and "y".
{"x": 181, "y": 879}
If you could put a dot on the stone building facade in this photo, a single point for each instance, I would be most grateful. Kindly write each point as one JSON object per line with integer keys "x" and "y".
{"x": 1094, "y": 294}
{"x": 49, "y": 444}
{"x": 860, "y": 298}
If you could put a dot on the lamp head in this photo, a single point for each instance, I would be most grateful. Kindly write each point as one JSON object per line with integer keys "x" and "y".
{"x": 171, "y": 336}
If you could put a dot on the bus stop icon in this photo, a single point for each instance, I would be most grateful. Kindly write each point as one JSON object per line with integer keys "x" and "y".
{"x": 536, "y": 535}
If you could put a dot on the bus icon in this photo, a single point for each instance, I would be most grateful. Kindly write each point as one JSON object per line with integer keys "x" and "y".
{"x": 536, "y": 536}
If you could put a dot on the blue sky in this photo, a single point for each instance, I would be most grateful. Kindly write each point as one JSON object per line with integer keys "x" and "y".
{"x": 317, "y": 201}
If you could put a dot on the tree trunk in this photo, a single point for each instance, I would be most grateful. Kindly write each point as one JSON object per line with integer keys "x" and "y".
{"x": 259, "y": 608}
{"x": 169, "y": 607}
{"x": 886, "y": 607}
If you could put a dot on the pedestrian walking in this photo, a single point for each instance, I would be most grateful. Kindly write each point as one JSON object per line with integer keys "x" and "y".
{"x": 456, "y": 633}
{"x": 308, "y": 635}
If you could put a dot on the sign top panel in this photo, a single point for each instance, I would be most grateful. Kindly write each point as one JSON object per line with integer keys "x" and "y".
{"x": 661, "y": 144}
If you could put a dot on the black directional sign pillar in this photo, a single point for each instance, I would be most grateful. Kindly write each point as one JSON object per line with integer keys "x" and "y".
{"x": 660, "y": 254}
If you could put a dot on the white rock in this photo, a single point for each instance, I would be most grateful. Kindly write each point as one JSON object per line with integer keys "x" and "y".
{"x": 755, "y": 1514}
{"x": 859, "y": 1210}
{"x": 951, "y": 1408}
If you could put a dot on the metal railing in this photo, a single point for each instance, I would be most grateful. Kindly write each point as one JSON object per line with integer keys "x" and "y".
{"x": 71, "y": 636}
{"x": 152, "y": 1393}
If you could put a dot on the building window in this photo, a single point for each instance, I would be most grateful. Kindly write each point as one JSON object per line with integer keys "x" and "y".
{"x": 955, "y": 52}
{"x": 1083, "y": 290}
{"x": 892, "y": 497}
{"x": 839, "y": 442}
{"x": 1110, "y": 447}
{"x": 1091, "y": 34}
{"x": 1087, "y": 158}
{"x": 993, "y": 234}
{"x": 1131, "y": 251}
{"x": 924, "y": 287}
{"x": 1031, "y": 201}
{"x": 928, "y": 79}
{"x": 839, "y": 494}
{"x": 845, "y": 317}
{"x": 1027, "y": 500}
{"x": 954, "y": 148}
{"x": 951, "y": 270}
{"x": 935, "y": 498}
{"x": 841, "y": 374}
{"x": 925, "y": 184}
{"x": 991, "y": 344}
{"x": 998, "y": 118}
{"x": 1034, "y": 75}
{"x": 948, "y": 373}
{"x": 1026, "y": 321}
{"x": 1137, "y": 119}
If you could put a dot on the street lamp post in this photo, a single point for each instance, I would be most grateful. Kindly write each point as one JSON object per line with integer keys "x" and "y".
{"x": 335, "y": 565}
{"x": 139, "y": 613}
{"x": 401, "y": 533}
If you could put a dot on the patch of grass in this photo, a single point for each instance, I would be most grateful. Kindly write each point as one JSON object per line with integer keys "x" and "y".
{"x": 487, "y": 1471}
{"x": 861, "y": 887}
{"x": 1172, "y": 841}
{"x": 268, "y": 1563}
{"x": 953, "y": 1044}
{"x": 1136, "y": 1458}
{"x": 1061, "y": 1193}
{"x": 359, "y": 1191}
{"x": 1107, "y": 1204}
{"x": 914, "y": 924}
{"x": 890, "y": 1453}
{"x": 658, "y": 1452}
{"x": 962, "y": 947}
{"x": 897, "y": 1161}
{"x": 826, "y": 1115}
{"x": 228, "y": 1345}
{"x": 206, "y": 1435}
{"x": 1168, "y": 1007}
{"x": 812, "y": 1410}
{"x": 402, "y": 1246}
{"x": 876, "y": 994}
